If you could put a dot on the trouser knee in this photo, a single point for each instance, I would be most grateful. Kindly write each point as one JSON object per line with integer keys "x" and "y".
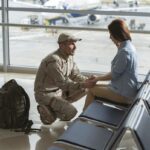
{"x": 69, "y": 113}
{"x": 63, "y": 109}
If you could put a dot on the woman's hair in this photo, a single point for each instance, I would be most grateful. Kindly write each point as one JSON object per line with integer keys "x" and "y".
{"x": 119, "y": 30}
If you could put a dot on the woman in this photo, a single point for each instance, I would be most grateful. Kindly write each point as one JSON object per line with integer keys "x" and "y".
{"x": 123, "y": 75}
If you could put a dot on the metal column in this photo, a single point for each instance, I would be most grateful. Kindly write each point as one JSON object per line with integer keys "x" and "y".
{"x": 5, "y": 34}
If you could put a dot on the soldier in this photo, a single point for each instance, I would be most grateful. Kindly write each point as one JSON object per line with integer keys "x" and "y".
{"x": 59, "y": 82}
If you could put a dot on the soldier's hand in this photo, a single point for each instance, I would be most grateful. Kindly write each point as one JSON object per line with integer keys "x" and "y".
{"x": 91, "y": 77}
{"x": 89, "y": 83}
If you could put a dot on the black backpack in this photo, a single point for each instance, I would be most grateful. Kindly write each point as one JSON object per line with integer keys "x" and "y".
{"x": 14, "y": 107}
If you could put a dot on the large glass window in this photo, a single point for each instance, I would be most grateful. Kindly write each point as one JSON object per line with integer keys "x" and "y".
{"x": 94, "y": 52}
{"x": 1, "y": 50}
{"x": 28, "y": 44}
{"x": 1, "y": 45}
{"x": 142, "y": 44}
{"x": 27, "y": 48}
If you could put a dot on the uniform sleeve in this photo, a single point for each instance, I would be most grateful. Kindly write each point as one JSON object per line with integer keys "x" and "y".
{"x": 76, "y": 75}
{"x": 55, "y": 72}
{"x": 120, "y": 65}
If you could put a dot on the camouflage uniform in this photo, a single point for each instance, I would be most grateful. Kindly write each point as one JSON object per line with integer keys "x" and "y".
{"x": 58, "y": 83}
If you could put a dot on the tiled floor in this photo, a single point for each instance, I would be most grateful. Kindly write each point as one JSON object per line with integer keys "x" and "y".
{"x": 10, "y": 140}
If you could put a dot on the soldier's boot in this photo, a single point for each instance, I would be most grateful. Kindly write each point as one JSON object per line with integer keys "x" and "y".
{"x": 63, "y": 109}
{"x": 46, "y": 115}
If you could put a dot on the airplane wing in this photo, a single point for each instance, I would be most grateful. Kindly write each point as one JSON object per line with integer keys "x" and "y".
{"x": 37, "y": 17}
{"x": 17, "y": 3}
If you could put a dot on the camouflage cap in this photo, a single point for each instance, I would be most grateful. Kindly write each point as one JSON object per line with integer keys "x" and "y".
{"x": 67, "y": 37}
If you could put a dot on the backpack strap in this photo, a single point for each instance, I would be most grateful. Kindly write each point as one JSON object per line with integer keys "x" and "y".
{"x": 27, "y": 108}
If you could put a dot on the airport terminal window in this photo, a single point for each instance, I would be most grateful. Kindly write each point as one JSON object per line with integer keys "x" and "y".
{"x": 33, "y": 18}
{"x": 56, "y": 4}
{"x": 0, "y": 12}
{"x": 142, "y": 44}
{"x": 139, "y": 23}
{"x": 24, "y": 3}
{"x": 1, "y": 45}
{"x": 0, "y": 16}
{"x": 0, "y": 26}
{"x": 29, "y": 45}
{"x": 74, "y": 19}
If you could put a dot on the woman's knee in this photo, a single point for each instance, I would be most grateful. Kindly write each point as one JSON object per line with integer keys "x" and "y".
{"x": 95, "y": 90}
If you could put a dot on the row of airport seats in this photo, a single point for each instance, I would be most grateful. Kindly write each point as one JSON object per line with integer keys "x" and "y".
{"x": 102, "y": 125}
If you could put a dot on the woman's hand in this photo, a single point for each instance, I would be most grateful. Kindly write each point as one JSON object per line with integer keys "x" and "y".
{"x": 90, "y": 82}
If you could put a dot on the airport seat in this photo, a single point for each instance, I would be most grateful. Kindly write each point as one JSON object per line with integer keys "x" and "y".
{"x": 104, "y": 100}
{"x": 86, "y": 136}
{"x": 140, "y": 130}
{"x": 146, "y": 81}
{"x": 110, "y": 115}
{"x": 55, "y": 148}
{"x": 146, "y": 98}
{"x": 146, "y": 93}
{"x": 148, "y": 77}
{"x": 106, "y": 115}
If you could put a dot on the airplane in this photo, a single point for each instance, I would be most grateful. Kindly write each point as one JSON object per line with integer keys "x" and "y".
{"x": 131, "y": 3}
{"x": 76, "y": 5}
{"x": 39, "y": 18}
{"x": 133, "y": 23}
{"x": 70, "y": 4}
{"x": 52, "y": 18}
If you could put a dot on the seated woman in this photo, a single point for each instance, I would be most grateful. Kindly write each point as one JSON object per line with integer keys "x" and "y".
{"x": 123, "y": 75}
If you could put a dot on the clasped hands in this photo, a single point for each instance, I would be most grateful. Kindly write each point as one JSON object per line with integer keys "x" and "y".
{"x": 91, "y": 81}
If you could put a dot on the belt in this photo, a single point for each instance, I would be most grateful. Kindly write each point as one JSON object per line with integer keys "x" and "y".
{"x": 53, "y": 90}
